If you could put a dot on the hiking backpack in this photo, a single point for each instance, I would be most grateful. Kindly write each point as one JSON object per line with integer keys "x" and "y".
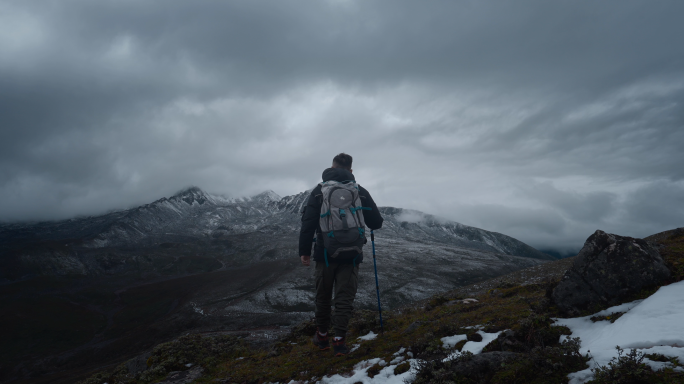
{"x": 342, "y": 225}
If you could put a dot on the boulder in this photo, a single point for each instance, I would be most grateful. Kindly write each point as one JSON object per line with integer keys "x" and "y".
{"x": 415, "y": 325}
{"x": 607, "y": 271}
{"x": 138, "y": 364}
{"x": 508, "y": 341}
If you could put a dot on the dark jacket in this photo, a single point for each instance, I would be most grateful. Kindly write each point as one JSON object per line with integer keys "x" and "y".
{"x": 311, "y": 214}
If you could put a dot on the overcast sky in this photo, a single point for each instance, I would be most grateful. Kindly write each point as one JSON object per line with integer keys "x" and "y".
{"x": 543, "y": 120}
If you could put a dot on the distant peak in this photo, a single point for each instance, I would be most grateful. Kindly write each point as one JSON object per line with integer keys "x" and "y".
{"x": 267, "y": 196}
{"x": 189, "y": 191}
{"x": 191, "y": 195}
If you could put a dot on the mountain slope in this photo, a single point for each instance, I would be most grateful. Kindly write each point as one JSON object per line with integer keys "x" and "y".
{"x": 516, "y": 307}
{"x": 416, "y": 226}
{"x": 200, "y": 262}
{"x": 195, "y": 217}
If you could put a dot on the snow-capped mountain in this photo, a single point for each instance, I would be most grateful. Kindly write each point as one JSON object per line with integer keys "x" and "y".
{"x": 195, "y": 232}
{"x": 201, "y": 262}
{"x": 195, "y": 213}
{"x": 190, "y": 213}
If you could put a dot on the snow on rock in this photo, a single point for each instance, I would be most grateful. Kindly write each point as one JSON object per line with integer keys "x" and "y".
{"x": 477, "y": 346}
{"x": 474, "y": 347}
{"x": 369, "y": 336}
{"x": 653, "y": 325}
{"x": 451, "y": 341}
{"x": 385, "y": 376}
{"x": 464, "y": 301}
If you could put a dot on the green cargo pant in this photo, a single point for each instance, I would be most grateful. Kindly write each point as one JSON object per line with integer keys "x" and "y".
{"x": 343, "y": 278}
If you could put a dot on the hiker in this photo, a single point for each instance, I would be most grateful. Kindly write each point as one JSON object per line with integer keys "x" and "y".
{"x": 340, "y": 235}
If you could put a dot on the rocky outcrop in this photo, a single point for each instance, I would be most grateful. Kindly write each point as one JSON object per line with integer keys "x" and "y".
{"x": 608, "y": 269}
{"x": 138, "y": 364}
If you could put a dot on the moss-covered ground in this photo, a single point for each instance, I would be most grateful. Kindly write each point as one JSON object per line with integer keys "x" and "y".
{"x": 672, "y": 250}
{"x": 518, "y": 302}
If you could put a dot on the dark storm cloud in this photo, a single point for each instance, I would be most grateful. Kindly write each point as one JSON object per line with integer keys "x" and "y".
{"x": 654, "y": 205}
{"x": 542, "y": 120}
{"x": 592, "y": 207}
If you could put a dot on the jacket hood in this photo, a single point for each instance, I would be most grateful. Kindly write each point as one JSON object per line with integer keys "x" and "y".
{"x": 337, "y": 174}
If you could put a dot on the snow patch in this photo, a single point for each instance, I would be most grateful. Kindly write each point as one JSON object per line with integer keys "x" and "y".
{"x": 451, "y": 341}
{"x": 385, "y": 376}
{"x": 474, "y": 347}
{"x": 369, "y": 336}
{"x": 653, "y": 325}
{"x": 197, "y": 308}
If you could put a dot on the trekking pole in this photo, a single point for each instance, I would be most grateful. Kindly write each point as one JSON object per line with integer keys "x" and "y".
{"x": 377, "y": 286}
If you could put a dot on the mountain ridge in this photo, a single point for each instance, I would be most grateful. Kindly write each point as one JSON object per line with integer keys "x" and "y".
{"x": 193, "y": 212}
{"x": 203, "y": 263}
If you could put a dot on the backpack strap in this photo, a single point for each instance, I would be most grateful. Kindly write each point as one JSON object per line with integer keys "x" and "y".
{"x": 353, "y": 210}
{"x": 343, "y": 216}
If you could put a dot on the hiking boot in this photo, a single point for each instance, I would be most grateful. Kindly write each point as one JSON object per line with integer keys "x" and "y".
{"x": 339, "y": 347}
{"x": 321, "y": 341}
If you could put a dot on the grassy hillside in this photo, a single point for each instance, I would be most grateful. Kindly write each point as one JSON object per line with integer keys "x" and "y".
{"x": 518, "y": 301}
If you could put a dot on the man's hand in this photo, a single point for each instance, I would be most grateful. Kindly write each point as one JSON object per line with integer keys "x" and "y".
{"x": 306, "y": 260}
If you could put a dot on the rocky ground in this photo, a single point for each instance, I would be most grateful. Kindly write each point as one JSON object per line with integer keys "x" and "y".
{"x": 64, "y": 325}
{"x": 519, "y": 303}
{"x": 67, "y": 324}
{"x": 91, "y": 291}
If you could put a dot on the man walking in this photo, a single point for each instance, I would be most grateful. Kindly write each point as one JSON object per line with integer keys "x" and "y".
{"x": 337, "y": 212}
